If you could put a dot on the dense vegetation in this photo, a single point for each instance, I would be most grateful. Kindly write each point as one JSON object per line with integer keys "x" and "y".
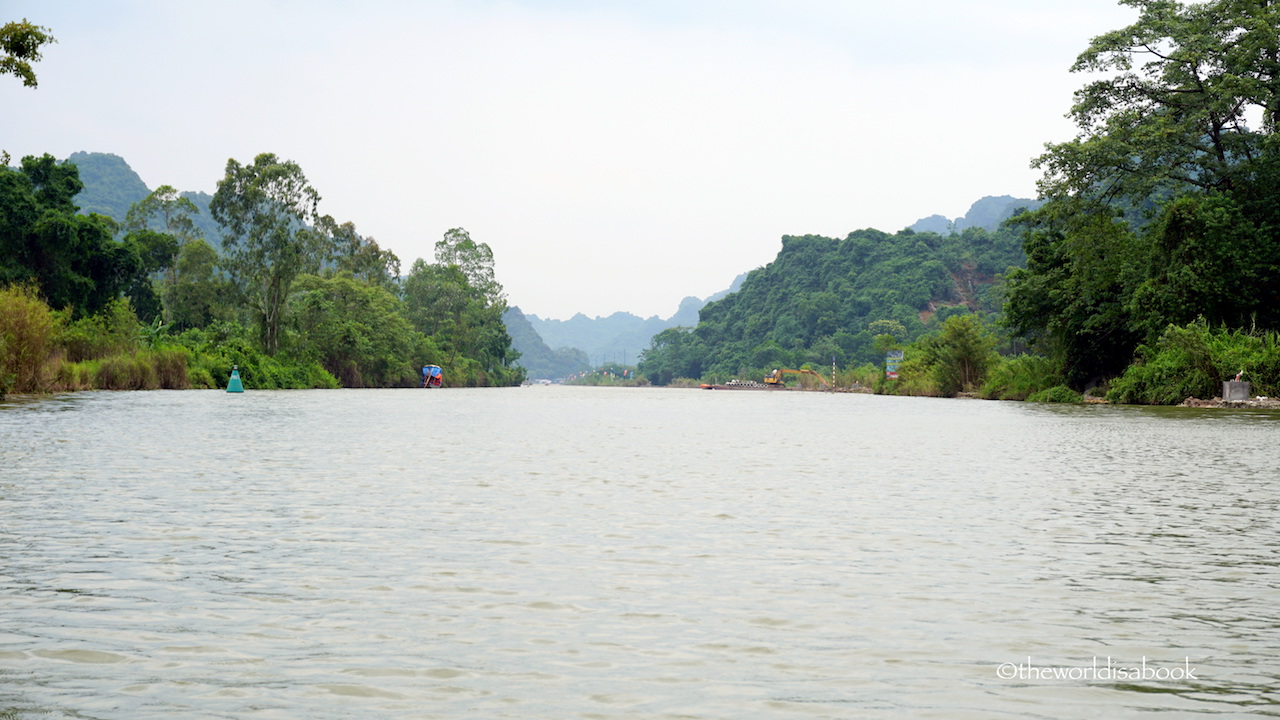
{"x": 820, "y": 299}
{"x": 293, "y": 297}
{"x": 1152, "y": 267}
{"x": 111, "y": 187}
{"x": 1162, "y": 219}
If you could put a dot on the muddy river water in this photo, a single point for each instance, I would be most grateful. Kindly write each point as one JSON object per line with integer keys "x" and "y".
{"x": 555, "y": 552}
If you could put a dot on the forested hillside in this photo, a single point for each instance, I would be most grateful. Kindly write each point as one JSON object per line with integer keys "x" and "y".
{"x": 538, "y": 360}
{"x": 111, "y": 187}
{"x": 818, "y": 299}
{"x": 1152, "y": 267}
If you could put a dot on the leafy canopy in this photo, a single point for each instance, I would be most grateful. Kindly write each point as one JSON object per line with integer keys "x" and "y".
{"x": 1171, "y": 110}
{"x": 1166, "y": 206}
{"x": 266, "y": 210}
{"x": 20, "y": 44}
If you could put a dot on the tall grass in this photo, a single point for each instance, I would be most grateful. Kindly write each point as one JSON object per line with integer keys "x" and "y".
{"x": 27, "y": 328}
{"x": 1020, "y": 377}
{"x": 114, "y": 332}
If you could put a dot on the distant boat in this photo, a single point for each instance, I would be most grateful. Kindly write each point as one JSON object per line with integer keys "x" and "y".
{"x": 432, "y": 376}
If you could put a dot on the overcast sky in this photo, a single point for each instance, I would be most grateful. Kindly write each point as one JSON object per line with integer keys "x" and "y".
{"x": 616, "y": 155}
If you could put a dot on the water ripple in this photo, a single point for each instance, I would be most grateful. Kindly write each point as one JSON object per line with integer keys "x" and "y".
{"x": 557, "y": 552}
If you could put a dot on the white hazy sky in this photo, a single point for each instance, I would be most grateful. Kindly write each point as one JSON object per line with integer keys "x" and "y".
{"x": 615, "y": 154}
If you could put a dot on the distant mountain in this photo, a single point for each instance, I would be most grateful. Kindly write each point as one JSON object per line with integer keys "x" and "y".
{"x": 538, "y": 360}
{"x": 986, "y": 213}
{"x": 621, "y": 336}
{"x": 111, "y": 187}
{"x": 204, "y": 220}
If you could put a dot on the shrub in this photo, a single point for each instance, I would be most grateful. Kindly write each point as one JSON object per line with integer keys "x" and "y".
{"x": 1056, "y": 394}
{"x": 200, "y": 378}
{"x": 915, "y": 377}
{"x": 126, "y": 372}
{"x": 1193, "y": 360}
{"x": 113, "y": 332}
{"x": 1168, "y": 371}
{"x": 1019, "y": 377}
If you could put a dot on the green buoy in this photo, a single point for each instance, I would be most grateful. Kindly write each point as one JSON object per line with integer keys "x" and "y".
{"x": 234, "y": 384}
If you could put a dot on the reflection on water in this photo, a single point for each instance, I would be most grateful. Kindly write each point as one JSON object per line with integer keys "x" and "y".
{"x": 560, "y": 552}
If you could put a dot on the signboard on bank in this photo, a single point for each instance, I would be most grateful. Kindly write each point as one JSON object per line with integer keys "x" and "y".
{"x": 892, "y": 359}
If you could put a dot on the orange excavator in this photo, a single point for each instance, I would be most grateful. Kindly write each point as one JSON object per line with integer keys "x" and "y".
{"x": 775, "y": 378}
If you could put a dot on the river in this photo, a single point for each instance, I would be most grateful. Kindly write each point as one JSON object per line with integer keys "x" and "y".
{"x": 559, "y": 552}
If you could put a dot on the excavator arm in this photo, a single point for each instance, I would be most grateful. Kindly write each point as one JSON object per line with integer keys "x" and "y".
{"x": 775, "y": 378}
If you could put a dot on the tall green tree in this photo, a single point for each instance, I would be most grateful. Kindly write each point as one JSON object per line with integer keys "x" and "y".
{"x": 1073, "y": 297}
{"x": 20, "y": 44}
{"x": 673, "y": 353}
{"x": 964, "y": 351}
{"x": 1170, "y": 110}
{"x": 359, "y": 256}
{"x": 200, "y": 295}
{"x": 1164, "y": 208}
{"x": 165, "y": 210}
{"x": 462, "y": 324}
{"x": 73, "y": 259}
{"x": 474, "y": 259}
{"x": 268, "y": 211}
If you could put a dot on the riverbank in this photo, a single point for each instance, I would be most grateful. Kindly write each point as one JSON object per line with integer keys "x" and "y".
{"x": 1266, "y": 403}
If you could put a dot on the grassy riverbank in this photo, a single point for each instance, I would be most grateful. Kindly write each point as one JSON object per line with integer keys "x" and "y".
{"x": 42, "y": 350}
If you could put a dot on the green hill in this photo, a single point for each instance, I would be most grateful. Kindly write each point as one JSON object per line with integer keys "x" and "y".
{"x": 110, "y": 185}
{"x": 538, "y": 360}
{"x": 815, "y": 301}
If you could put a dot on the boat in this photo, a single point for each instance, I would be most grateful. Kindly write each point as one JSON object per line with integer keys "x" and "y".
{"x": 743, "y": 385}
{"x": 432, "y": 376}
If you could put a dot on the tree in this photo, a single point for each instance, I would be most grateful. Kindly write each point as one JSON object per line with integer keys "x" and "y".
{"x": 474, "y": 259}
{"x": 71, "y": 258}
{"x": 358, "y": 332}
{"x": 155, "y": 252}
{"x": 167, "y": 211}
{"x": 673, "y": 353}
{"x": 266, "y": 210}
{"x": 1203, "y": 264}
{"x": 199, "y": 296}
{"x": 1178, "y": 121}
{"x": 360, "y": 257}
{"x": 20, "y": 44}
{"x": 157, "y": 227}
{"x": 1163, "y": 209}
{"x": 888, "y": 327}
{"x": 963, "y": 353}
{"x": 463, "y": 325}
